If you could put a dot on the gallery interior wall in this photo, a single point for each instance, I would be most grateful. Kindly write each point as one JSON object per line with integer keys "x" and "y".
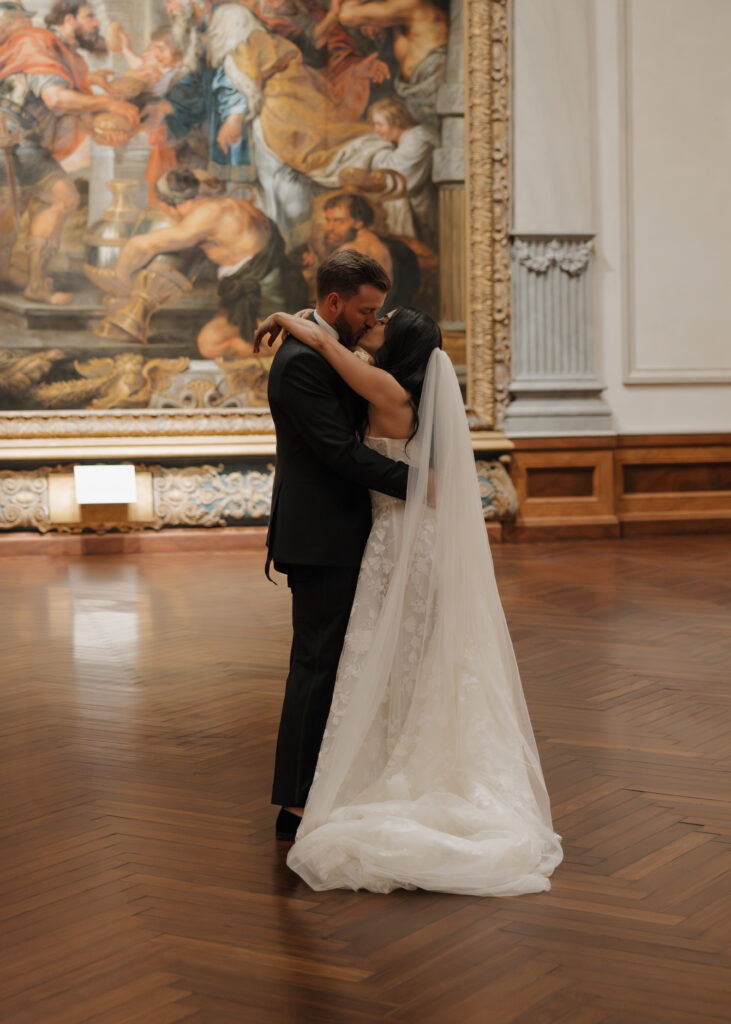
{"x": 622, "y": 133}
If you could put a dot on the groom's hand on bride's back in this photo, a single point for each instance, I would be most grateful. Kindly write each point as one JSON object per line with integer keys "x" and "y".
{"x": 273, "y": 329}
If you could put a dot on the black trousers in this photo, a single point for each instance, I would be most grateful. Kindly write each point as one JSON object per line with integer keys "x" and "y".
{"x": 321, "y": 600}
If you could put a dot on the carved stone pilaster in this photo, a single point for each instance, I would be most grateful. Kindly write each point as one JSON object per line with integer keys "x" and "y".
{"x": 554, "y": 385}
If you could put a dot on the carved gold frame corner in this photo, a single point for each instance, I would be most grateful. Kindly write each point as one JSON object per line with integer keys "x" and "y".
{"x": 179, "y": 434}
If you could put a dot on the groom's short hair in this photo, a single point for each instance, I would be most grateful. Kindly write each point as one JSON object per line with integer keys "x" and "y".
{"x": 344, "y": 272}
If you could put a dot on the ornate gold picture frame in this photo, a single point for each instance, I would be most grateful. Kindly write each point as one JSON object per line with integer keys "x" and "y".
{"x": 182, "y": 434}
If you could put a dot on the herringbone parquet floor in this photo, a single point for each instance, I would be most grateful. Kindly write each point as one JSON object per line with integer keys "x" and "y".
{"x": 140, "y": 880}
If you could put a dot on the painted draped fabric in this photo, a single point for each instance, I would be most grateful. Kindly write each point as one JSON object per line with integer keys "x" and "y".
{"x": 38, "y": 51}
{"x": 209, "y": 97}
{"x": 336, "y": 57}
{"x": 301, "y": 123}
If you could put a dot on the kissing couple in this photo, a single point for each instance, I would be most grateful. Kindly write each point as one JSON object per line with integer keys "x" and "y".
{"x": 405, "y": 756}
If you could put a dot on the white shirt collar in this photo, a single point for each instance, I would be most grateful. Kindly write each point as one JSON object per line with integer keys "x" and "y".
{"x": 326, "y": 326}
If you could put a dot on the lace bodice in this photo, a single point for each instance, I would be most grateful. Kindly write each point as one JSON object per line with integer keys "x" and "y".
{"x": 392, "y": 448}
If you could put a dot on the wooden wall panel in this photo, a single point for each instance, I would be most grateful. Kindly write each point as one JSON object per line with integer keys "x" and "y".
{"x": 621, "y": 486}
{"x": 562, "y": 491}
{"x": 674, "y": 488}
{"x": 646, "y": 478}
{"x": 561, "y": 482}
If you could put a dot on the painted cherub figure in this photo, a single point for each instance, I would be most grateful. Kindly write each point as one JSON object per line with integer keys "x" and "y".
{"x": 151, "y": 72}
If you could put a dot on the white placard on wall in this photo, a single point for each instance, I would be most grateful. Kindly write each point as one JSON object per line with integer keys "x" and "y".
{"x": 105, "y": 485}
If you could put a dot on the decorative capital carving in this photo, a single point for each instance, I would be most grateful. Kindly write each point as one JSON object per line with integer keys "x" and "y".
{"x": 539, "y": 255}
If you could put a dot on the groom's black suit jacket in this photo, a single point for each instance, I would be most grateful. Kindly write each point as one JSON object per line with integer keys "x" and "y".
{"x": 321, "y": 513}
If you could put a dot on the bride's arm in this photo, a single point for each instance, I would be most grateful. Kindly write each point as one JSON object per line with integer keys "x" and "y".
{"x": 377, "y": 386}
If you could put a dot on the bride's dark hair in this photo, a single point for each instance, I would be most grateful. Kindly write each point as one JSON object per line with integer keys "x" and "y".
{"x": 409, "y": 339}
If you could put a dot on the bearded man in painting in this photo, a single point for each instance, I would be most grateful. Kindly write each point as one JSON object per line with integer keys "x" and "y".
{"x": 45, "y": 91}
{"x": 349, "y": 224}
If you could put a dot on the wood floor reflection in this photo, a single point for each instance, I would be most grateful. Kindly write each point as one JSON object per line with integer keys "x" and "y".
{"x": 140, "y": 878}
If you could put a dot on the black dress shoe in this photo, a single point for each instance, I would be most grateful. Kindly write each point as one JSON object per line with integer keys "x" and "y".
{"x": 287, "y": 825}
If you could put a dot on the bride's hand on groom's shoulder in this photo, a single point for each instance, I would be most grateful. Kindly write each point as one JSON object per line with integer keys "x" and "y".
{"x": 268, "y": 326}
{"x": 271, "y": 327}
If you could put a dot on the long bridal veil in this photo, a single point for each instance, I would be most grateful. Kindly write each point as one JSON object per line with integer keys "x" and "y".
{"x": 428, "y": 774}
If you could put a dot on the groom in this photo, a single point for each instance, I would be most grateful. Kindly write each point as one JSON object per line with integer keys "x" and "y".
{"x": 321, "y": 515}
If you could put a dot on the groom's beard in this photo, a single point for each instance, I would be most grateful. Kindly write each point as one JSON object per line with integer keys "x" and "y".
{"x": 345, "y": 332}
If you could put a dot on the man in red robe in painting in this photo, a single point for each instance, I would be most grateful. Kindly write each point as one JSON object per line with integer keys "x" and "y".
{"x": 46, "y": 106}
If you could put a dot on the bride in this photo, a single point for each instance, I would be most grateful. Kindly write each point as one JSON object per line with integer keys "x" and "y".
{"x": 428, "y": 775}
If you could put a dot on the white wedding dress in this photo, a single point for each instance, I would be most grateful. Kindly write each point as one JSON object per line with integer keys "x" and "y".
{"x": 428, "y": 774}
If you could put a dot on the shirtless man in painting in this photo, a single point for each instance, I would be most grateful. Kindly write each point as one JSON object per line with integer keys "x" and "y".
{"x": 255, "y": 275}
{"x": 421, "y": 30}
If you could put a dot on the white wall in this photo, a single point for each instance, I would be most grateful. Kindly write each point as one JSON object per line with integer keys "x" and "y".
{"x": 622, "y": 127}
{"x": 551, "y": 102}
{"x": 663, "y": 212}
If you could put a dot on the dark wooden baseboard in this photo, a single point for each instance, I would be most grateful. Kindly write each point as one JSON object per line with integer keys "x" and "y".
{"x": 621, "y": 486}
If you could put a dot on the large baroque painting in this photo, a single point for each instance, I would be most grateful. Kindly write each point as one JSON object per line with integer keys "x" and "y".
{"x": 171, "y": 171}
